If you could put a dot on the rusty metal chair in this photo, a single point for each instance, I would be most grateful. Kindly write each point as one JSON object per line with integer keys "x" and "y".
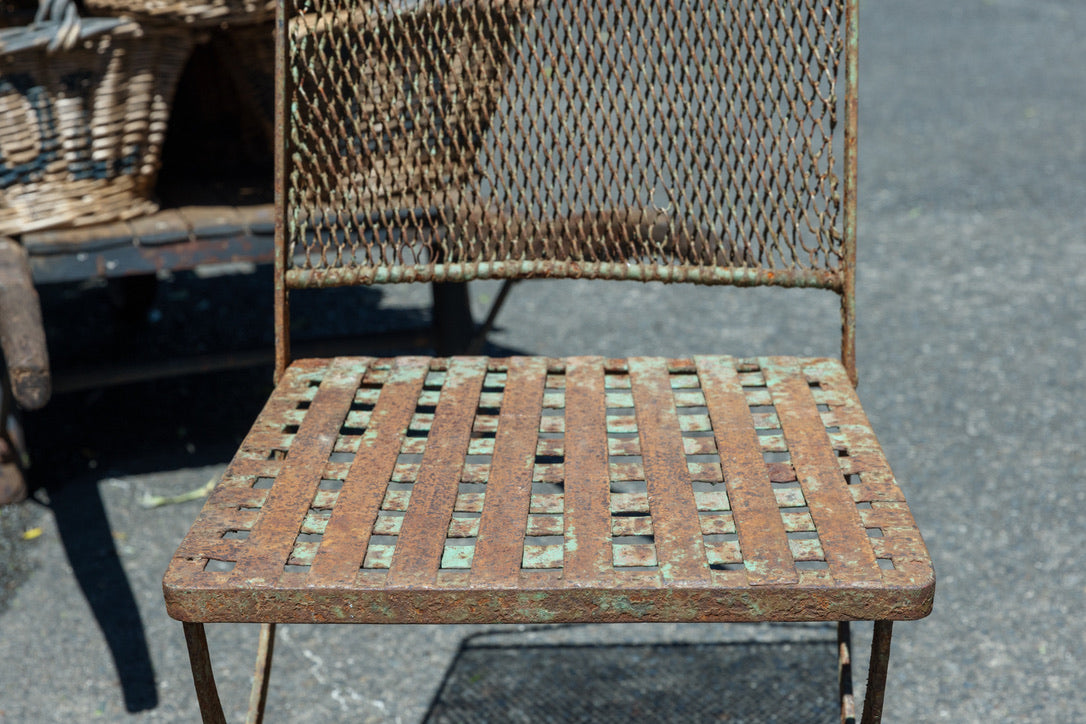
{"x": 704, "y": 141}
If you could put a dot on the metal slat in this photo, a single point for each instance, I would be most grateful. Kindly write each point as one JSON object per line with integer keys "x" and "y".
{"x": 425, "y": 593}
{"x": 679, "y": 545}
{"x": 417, "y": 557}
{"x": 587, "y": 495}
{"x": 270, "y": 543}
{"x": 502, "y": 526}
{"x": 348, "y": 530}
{"x": 844, "y": 541}
{"x": 221, "y": 508}
{"x": 762, "y": 537}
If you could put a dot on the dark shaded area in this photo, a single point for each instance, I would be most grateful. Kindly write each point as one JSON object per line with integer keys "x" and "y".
{"x": 733, "y": 682}
{"x": 217, "y": 150}
{"x": 88, "y": 542}
{"x": 141, "y": 320}
{"x": 79, "y": 438}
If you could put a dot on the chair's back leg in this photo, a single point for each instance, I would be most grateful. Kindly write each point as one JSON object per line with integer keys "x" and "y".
{"x": 202, "y": 675}
{"x": 478, "y": 342}
{"x": 848, "y": 332}
{"x": 454, "y": 327}
{"x": 876, "y": 674}
{"x": 844, "y": 673}
{"x": 258, "y": 697}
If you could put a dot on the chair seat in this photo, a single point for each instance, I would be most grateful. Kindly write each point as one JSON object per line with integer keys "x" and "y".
{"x": 418, "y": 490}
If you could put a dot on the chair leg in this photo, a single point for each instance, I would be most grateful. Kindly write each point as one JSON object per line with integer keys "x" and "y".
{"x": 258, "y": 697}
{"x": 876, "y": 674}
{"x": 844, "y": 673}
{"x": 478, "y": 342}
{"x": 453, "y": 324}
{"x": 202, "y": 675}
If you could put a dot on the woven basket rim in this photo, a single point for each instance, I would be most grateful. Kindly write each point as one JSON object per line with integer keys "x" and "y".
{"x": 105, "y": 170}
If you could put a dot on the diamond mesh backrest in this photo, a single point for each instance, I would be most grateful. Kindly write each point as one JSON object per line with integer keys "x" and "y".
{"x": 694, "y": 140}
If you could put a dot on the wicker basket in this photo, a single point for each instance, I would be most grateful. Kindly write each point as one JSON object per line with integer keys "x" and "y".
{"x": 83, "y": 114}
{"x": 438, "y": 148}
{"x": 202, "y": 13}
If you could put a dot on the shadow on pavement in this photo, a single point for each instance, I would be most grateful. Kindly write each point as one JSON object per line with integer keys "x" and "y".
{"x": 88, "y": 542}
{"x": 657, "y": 682}
{"x": 82, "y": 438}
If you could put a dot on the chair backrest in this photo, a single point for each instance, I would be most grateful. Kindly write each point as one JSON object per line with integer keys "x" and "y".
{"x": 708, "y": 141}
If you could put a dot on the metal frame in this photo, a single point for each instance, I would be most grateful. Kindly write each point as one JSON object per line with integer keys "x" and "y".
{"x": 211, "y": 707}
{"x": 843, "y": 283}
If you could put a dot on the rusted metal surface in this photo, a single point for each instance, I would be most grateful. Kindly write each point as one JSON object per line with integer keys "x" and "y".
{"x": 718, "y": 161}
{"x": 586, "y": 508}
{"x": 421, "y": 541}
{"x": 272, "y": 538}
{"x": 562, "y": 268}
{"x": 206, "y": 691}
{"x": 844, "y": 673}
{"x": 351, "y": 522}
{"x": 849, "y": 186}
{"x": 876, "y": 674}
{"x": 750, "y": 491}
{"x": 22, "y": 336}
{"x": 431, "y": 468}
{"x": 174, "y": 239}
{"x": 668, "y": 481}
{"x": 452, "y": 140}
{"x": 284, "y": 90}
{"x": 503, "y": 525}
{"x": 258, "y": 695}
{"x": 840, "y": 532}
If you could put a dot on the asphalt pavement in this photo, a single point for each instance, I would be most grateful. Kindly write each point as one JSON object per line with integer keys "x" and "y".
{"x": 971, "y": 293}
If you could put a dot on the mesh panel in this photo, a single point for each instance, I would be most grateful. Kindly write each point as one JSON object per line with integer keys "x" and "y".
{"x": 444, "y": 139}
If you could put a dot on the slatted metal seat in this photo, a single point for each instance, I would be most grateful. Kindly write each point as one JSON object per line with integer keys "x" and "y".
{"x": 447, "y": 140}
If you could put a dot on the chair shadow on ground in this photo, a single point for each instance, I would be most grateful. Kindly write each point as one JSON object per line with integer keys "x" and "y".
{"x": 81, "y": 438}
{"x": 88, "y": 542}
{"x": 746, "y": 681}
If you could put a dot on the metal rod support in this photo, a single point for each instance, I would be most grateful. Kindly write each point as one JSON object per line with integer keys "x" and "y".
{"x": 844, "y": 673}
{"x": 258, "y": 697}
{"x": 202, "y": 674}
{"x": 479, "y": 341}
{"x": 876, "y": 674}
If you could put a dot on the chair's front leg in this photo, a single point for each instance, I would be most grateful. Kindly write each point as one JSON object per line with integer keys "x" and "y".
{"x": 202, "y": 675}
{"x": 876, "y": 674}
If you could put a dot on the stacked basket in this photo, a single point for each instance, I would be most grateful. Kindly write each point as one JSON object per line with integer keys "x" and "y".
{"x": 193, "y": 13}
{"x": 85, "y": 103}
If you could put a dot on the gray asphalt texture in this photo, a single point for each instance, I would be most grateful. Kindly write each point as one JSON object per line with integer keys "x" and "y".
{"x": 972, "y": 293}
